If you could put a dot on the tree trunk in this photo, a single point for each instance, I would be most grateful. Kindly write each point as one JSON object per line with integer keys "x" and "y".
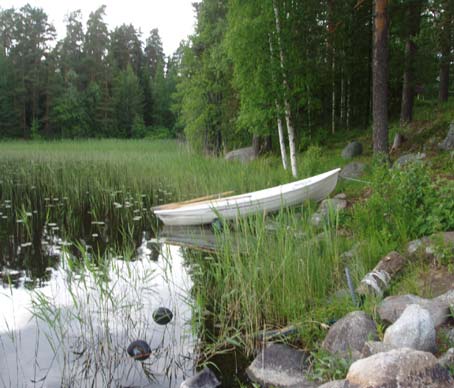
{"x": 413, "y": 16}
{"x": 380, "y": 78}
{"x": 333, "y": 95}
{"x": 332, "y": 59}
{"x": 342, "y": 102}
{"x": 348, "y": 104}
{"x": 256, "y": 145}
{"x": 288, "y": 121}
{"x": 279, "y": 121}
{"x": 281, "y": 138}
{"x": 445, "y": 48}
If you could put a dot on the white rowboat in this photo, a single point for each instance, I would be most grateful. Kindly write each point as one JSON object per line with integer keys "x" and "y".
{"x": 206, "y": 210}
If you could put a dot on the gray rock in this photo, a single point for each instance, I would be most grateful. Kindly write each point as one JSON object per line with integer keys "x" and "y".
{"x": 347, "y": 336}
{"x": 353, "y": 170}
{"x": 317, "y": 219}
{"x": 409, "y": 158}
{"x": 243, "y": 155}
{"x": 279, "y": 365}
{"x": 448, "y": 143}
{"x": 450, "y": 335}
{"x": 350, "y": 254}
{"x": 392, "y": 307}
{"x": 414, "y": 329}
{"x": 334, "y": 384}
{"x": 415, "y": 246}
{"x": 404, "y": 368}
{"x": 204, "y": 379}
{"x": 427, "y": 245}
{"x": 447, "y": 359}
{"x": 341, "y": 196}
{"x": 373, "y": 347}
{"x": 336, "y": 204}
{"x": 352, "y": 149}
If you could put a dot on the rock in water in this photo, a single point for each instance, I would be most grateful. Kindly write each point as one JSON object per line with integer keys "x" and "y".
{"x": 352, "y": 149}
{"x": 203, "y": 379}
{"x": 279, "y": 365}
{"x": 162, "y": 316}
{"x": 414, "y": 329}
{"x": 139, "y": 350}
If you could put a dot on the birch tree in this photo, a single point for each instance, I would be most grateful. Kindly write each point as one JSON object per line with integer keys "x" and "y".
{"x": 288, "y": 120}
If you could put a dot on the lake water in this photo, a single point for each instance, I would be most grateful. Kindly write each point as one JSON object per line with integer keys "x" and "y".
{"x": 66, "y": 320}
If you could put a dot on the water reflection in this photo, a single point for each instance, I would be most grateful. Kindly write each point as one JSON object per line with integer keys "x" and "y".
{"x": 73, "y": 330}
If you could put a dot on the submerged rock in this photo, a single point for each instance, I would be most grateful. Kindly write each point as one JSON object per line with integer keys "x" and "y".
{"x": 139, "y": 350}
{"x": 204, "y": 379}
{"x": 279, "y": 365}
{"x": 414, "y": 329}
{"x": 346, "y": 338}
{"x": 162, "y": 315}
{"x": 352, "y": 149}
{"x": 399, "y": 368}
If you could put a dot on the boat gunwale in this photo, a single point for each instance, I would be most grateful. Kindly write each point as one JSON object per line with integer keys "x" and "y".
{"x": 284, "y": 189}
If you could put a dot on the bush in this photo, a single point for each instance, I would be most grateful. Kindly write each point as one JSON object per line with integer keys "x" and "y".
{"x": 407, "y": 202}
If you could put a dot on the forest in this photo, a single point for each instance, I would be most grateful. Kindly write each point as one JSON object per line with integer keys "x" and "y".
{"x": 250, "y": 68}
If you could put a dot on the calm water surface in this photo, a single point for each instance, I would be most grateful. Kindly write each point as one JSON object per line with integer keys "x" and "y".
{"x": 67, "y": 321}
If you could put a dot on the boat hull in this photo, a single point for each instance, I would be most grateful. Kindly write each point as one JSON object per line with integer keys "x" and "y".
{"x": 267, "y": 200}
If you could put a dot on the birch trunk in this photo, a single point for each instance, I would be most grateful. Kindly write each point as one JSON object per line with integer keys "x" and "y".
{"x": 288, "y": 121}
{"x": 279, "y": 121}
{"x": 281, "y": 138}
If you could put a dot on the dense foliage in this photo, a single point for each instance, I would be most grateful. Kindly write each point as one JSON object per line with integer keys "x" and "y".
{"x": 248, "y": 58}
{"x": 92, "y": 83}
{"x": 249, "y": 65}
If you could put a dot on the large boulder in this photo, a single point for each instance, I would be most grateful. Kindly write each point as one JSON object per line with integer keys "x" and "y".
{"x": 353, "y": 170}
{"x": 414, "y": 329}
{"x": 244, "y": 155}
{"x": 347, "y": 336}
{"x": 338, "y": 203}
{"x": 409, "y": 158}
{"x": 279, "y": 365}
{"x": 405, "y": 368}
{"x": 439, "y": 308}
{"x": 448, "y": 143}
{"x": 373, "y": 347}
{"x": 352, "y": 149}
